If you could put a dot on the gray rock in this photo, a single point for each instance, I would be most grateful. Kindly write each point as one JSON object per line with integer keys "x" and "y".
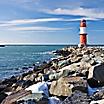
{"x": 86, "y": 58}
{"x": 30, "y": 101}
{"x": 99, "y": 59}
{"x": 62, "y": 73}
{"x": 77, "y": 98}
{"x": 23, "y": 83}
{"x": 2, "y": 96}
{"x": 65, "y": 86}
{"x": 91, "y": 55}
{"x": 73, "y": 67}
{"x": 64, "y": 63}
{"x": 10, "y": 81}
{"x": 85, "y": 65}
{"x": 54, "y": 100}
{"x": 11, "y": 99}
{"x": 30, "y": 77}
{"x": 18, "y": 88}
{"x": 93, "y": 62}
{"x": 35, "y": 97}
{"x": 55, "y": 63}
{"x": 43, "y": 101}
{"x": 97, "y": 72}
{"x": 60, "y": 88}
{"x": 2, "y": 87}
{"x": 99, "y": 94}
{"x": 80, "y": 88}
{"x": 76, "y": 59}
{"x": 98, "y": 102}
{"x": 84, "y": 73}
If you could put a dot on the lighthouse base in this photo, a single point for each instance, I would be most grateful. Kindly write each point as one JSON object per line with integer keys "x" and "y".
{"x": 81, "y": 45}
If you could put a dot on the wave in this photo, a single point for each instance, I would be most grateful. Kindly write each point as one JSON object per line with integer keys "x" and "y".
{"x": 43, "y": 53}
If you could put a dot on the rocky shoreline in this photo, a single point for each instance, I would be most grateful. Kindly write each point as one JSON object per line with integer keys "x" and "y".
{"x": 75, "y": 77}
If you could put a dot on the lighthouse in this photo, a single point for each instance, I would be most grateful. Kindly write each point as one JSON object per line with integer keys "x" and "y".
{"x": 83, "y": 34}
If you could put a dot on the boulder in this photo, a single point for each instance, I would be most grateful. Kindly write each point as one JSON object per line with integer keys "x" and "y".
{"x": 10, "y": 81}
{"x": 30, "y": 77}
{"x": 33, "y": 98}
{"x": 2, "y": 87}
{"x": 73, "y": 67}
{"x": 45, "y": 77}
{"x": 75, "y": 80}
{"x": 11, "y": 99}
{"x": 43, "y": 101}
{"x": 91, "y": 91}
{"x": 54, "y": 100}
{"x": 27, "y": 83}
{"x": 55, "y": 65}
{"x": 98, "y": 102}
{"x": 84, "y": 73}
{"x": 78, "y": 83}
{"x": 46, "y": 70}
{"x": 64, "y": 63}
{"x": 67, "y": 86}
{"x": 2, "y": 96}
{"x": 60, "y": 88}
{"x": 96, "y": 75}
{"x": 61, "y": 73}
{"x": 85, "y": 65}
{"x": 24, "y": 83}
{"x": 98, "y": 94}
{"x": 86, "y": 58}
{"x": 76, "y": 59}
{"x": 99, "y": 59}
{"x": 18, "y": 88}
{"x": 40, "y": 87}
{"x": 39, "y": 94}
{"x": 54, "y": 76}
{"x": 93, "y": 62}
{"x": 77, "y": 98}
{"x": 91, "y": 55}
{"x": 86, "y": 51}
{"x": 93, "y": 83}
{"x": 65, "y": 52}
{"x": 30, "y": 101}
{"x": 19, "y": 85}
{"x": 38, "y": 78}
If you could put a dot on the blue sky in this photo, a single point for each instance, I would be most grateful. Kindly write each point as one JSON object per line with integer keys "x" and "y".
{"x": 50, "y": 21}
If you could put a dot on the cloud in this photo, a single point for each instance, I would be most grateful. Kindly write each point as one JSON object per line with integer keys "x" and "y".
{"x": 40, "y": 20}
{"x": 37, "y": 29}
{"x": 86, "y": 12}
{"x": 29, "y": 21}
{"x": 18, "y": 25}
{"x": 78, "y": 19}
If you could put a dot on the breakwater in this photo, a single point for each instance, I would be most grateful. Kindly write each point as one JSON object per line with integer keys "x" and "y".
{"x": 75, "y": 77}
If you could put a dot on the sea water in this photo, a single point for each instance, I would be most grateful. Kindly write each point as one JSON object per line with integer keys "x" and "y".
{"x": 14, "y": 57}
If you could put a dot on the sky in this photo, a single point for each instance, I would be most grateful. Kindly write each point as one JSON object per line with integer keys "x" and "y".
{"x": 50, "y": 21}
